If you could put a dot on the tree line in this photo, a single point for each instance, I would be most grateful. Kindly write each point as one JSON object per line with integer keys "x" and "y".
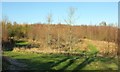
{"x": 41, "y": 31}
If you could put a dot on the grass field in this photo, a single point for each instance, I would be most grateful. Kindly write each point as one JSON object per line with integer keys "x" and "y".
{"x": 43, "y": 61}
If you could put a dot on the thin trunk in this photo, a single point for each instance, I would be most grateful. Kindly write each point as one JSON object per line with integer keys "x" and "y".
{"x": 108, "y": 40}
{"x": 58, "y": 41}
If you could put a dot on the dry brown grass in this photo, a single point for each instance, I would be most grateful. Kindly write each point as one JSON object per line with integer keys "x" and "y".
{"x": 102, "y": 47}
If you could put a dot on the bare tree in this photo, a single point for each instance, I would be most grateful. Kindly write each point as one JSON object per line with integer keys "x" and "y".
{"x": 58, "y": 35}
{"x": 108, "y": 40}
{"x": 70, "y": 21}
{"x": 49, "y": 22}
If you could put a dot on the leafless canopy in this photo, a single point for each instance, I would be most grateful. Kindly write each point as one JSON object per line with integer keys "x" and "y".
{"x": 49, "y": 18}
{"x": 71, "y": 16}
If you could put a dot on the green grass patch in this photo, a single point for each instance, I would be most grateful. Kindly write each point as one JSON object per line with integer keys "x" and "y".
{"x": 22, "y": 43}
{"x": 92, "y": 49}
{"x": 75, "y": 64}
{"x": 43, "y": 61}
